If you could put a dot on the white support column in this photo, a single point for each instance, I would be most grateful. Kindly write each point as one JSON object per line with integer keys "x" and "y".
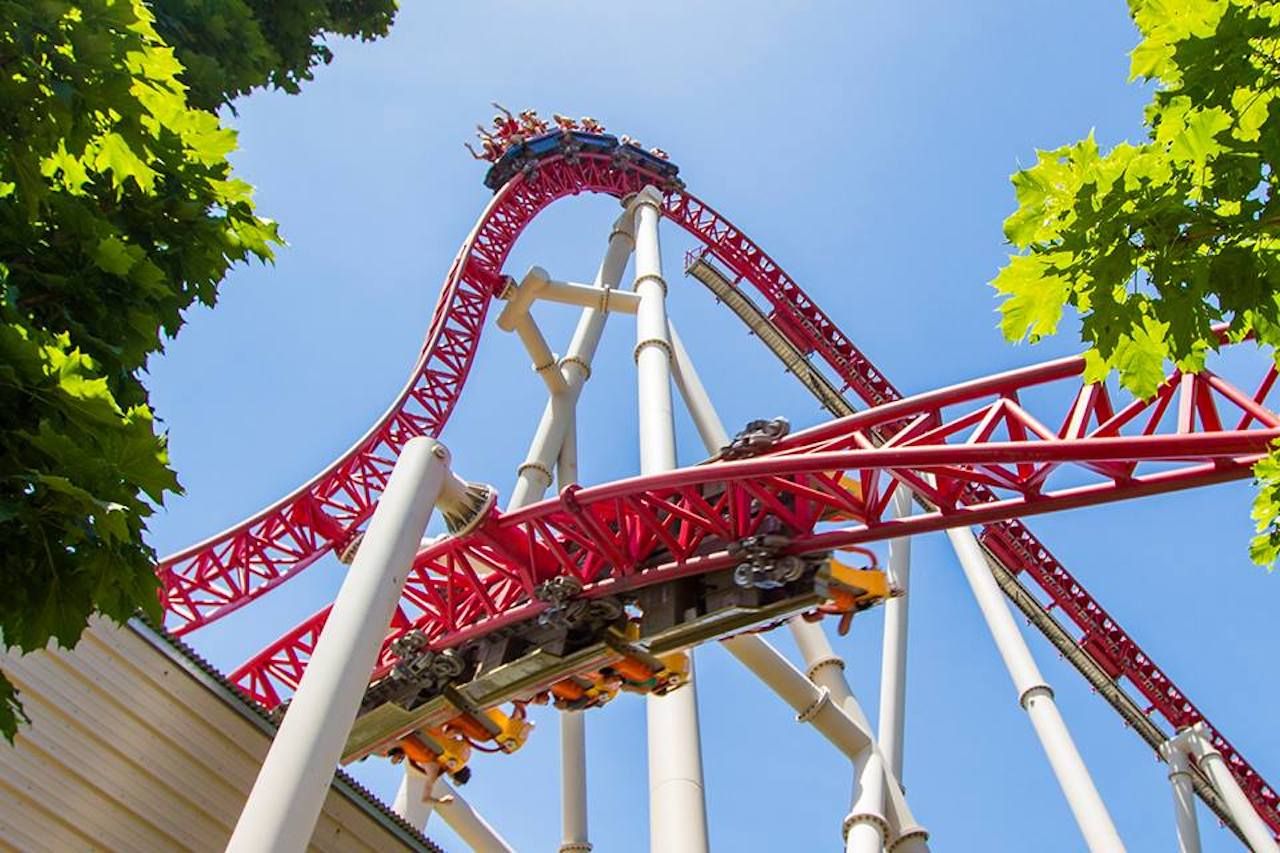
{"x": 677, "y": 811}
{"x": 1037, "y": 698}
{"x": 653, "y": 344}
{"x": 555, "y": 443}
{"x": 464, "y": 820}
{"x": 1184, "y": 796}
{"x": 865, "y": 828}
{"x": 909, "y": 836}
{"x": 893, "y": 661}
{"x": 696, "y": 399}
{"x": 573, "y": 724}
{"x": 286, "y": 799}
{"x": 573, "y": 783}
{"x": 534, "y": 476}
{"x": 414, "y": 801}
{"x": 813, "y": 704}
{"x": 1196, "y": 740}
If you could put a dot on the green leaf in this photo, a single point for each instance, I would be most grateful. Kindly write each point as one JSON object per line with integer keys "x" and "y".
{"x": 1035, "y": 297}
{"x": 1196, "y": 144}
{"x": 115, "y": 156}
{"x": 1252, "y": 109}
{"x": 11, "y": 710}
{"x": 1140, "y": 356}
{"x": 113, "y": 256}
{"x": 1264, "y": 548}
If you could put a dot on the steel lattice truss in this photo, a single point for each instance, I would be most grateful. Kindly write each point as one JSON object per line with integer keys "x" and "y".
{"x": 978, "y": 453}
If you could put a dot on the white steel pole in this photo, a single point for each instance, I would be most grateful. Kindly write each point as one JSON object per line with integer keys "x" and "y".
{"x": 573, "y": 783}
{"x": 464, "y": 820}
{"x": 1246, "y": 818}
{"x": 865, "y": 827}
{"x": 555, "y": 442}
{"x": 893, "y": 661}
{"x": 696, "y": 399}
{"x": 653, "y": 345}
{"x": 1184, "y": 798}
{"x": 286, "y": 799}
{"x": 910, "y": 837}
{"x": 414, "y": 801}
{"x": 1037, "y": 698}
{"x": 813, "y": 704}
{"x": 534, "y": 476}
{"x": 573, "y": 724}
{"x": 677, "y": 810}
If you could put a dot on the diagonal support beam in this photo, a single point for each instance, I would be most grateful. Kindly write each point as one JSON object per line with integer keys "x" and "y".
{"x": 824, "y": 698}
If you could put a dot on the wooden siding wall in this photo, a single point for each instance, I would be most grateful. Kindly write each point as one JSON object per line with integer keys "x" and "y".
{"x": 130, "y": 751}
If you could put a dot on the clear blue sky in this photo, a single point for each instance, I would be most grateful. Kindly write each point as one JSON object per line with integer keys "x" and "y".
{"x": 867, "y": 146}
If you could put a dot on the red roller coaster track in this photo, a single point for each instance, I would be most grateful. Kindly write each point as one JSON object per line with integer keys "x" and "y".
{"x": 989, "y": 463}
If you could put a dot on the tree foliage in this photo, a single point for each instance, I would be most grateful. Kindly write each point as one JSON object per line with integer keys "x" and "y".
{"x": 118, "y": 211}
{"x": 230, "y": 47}
{"x": 1155, "y": 243}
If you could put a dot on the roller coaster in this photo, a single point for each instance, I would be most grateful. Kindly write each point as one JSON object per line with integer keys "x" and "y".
{"x": 600, "y": 589}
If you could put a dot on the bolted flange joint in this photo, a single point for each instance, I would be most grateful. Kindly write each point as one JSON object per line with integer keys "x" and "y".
{"x": 1032, "y": 692}
{"x": 464, "y": 505}
{"x": 908, "y": 834}
{"x": 534, "y": 465}
{"x": 875, "y": 820}
{"x": 821, "y": 664}
{"x": 655, "y": 342}
{"x": 654, "y": 277}
{"x": 348, "y": 551}
{"x": 578, "y": 362}
{"x": 815, "y": 707}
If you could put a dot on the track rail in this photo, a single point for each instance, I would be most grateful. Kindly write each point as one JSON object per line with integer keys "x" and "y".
{"x": 1098, "y": 663}
{"x": 941, "y": 445}
{"x": 215, "y": 577}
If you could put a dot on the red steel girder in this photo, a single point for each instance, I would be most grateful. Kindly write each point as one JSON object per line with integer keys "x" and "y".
{"x": 941, "y": 445}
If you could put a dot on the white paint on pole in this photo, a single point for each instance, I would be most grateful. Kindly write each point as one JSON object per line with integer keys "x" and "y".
{"x": 696, "y": 399}
{"x": 813, "y": 704}
{"x": 1037, "y": 698}
{"x": 465, "y": 821}
{"x": 573, "y": 724}
{"x": 825, "y": 673}
{"x": 534, "y": 476}
{"x": 286, "y": 799}
{"x": 893, "y": 661}
{"x": 677, "y": 810}
{"x": 653, "y": 343}
{"x": 1211, "y": 762}
{"x": 865, "y": 828}
{"x": 573, "y": 783}
{"x": 1184, "y": 797}
{"x": 414, "y": 800}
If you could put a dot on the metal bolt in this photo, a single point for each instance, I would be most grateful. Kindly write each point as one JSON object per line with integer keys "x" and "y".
{"x": 439, "y": 452}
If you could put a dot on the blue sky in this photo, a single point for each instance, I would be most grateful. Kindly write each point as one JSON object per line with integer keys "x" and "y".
{"x": 867, "y": 147}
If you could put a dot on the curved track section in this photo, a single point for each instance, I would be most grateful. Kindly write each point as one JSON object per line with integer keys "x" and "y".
{"x": 215, "y": 577}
